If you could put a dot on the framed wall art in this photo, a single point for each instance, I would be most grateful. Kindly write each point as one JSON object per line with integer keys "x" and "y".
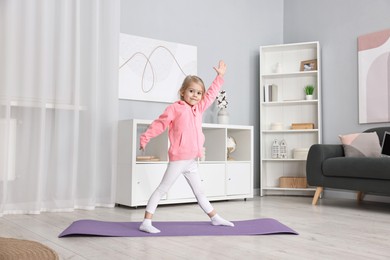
{"x": 153, "y": 70}
{"x": 374, "y": 77}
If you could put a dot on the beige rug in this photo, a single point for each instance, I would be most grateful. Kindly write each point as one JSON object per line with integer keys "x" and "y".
{"x": 19, "y": 249}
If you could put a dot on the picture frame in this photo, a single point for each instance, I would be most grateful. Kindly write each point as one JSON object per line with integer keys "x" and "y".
{"x": 308, "y": 65}
{"x": 374, "y": 77}
{"x": 151, "y": 69}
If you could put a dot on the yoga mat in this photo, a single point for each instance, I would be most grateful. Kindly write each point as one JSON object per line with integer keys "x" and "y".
{"x": 264, "y": 226}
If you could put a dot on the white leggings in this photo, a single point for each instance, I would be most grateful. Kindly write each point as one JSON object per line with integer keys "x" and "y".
{"x": 189, "y": 168}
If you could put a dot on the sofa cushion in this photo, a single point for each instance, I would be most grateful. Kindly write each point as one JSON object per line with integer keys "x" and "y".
{"x": 366, "y": 168}
{"x": 361, "y": 145}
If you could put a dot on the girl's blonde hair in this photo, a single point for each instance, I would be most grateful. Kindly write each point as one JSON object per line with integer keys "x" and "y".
{"x": 187, "y": 82}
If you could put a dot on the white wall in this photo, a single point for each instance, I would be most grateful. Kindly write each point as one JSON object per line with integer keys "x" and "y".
{"x": 337, "y": 25}
{"x": 221, "y": 29}
{"x": 233, "y": 30}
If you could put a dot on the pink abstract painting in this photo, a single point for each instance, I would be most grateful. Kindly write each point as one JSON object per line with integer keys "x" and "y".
{"x": 374, "y": 77}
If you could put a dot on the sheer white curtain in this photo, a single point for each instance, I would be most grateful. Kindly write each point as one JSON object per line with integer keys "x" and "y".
{"x": 58, "y": 104}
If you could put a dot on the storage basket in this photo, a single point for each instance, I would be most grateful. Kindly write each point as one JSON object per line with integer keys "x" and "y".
{"x": 292, "y": 182}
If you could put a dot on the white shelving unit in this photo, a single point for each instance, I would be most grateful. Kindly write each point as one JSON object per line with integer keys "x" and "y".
{"x": 280, "y": 65}
{"x": 222, "y": 179}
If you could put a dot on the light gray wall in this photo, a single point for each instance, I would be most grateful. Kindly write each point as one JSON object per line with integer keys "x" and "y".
{"x": 221, "y": 29}
{"x": 336, "y": 25}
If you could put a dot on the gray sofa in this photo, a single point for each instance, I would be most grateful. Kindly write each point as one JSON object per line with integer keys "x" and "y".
{"x": 327, "y": 167}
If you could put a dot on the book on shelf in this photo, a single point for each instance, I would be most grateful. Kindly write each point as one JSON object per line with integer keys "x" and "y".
{"x": 302, "y": 126}
{"x": 270, "y": 93}
{"x": 147, "y": 158}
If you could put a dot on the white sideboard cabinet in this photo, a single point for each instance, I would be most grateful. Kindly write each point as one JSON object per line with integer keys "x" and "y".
{"x": 289, "y": 121}
{"x": 140, "y": 172}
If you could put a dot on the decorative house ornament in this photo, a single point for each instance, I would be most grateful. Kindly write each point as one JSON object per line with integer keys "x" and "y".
{"x": 283, "y": 150}
{"x": 275, "y": 149}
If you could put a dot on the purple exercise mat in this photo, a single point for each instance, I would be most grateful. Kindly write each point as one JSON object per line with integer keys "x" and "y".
{"x": 264, "y": 226}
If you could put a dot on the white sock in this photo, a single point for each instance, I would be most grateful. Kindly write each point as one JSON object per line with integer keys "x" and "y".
{"x": 216, "y": 220}
{"x": 146, "y": 226}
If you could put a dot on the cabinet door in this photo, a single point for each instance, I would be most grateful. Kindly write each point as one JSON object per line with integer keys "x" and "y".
{"x": 213, "y": 182}
{"x": 238, "y": 178}
{"x": 146, "y": 179}
{"x": 213, "y": 179}
{"x": 180, "y": 189}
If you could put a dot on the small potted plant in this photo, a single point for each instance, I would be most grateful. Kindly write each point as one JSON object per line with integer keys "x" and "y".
{"x": 309, "y": 90}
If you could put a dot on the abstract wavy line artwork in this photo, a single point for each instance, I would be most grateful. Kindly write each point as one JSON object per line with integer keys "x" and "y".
{"x": 153, "y": 70}
{"x": 374, "y": 77}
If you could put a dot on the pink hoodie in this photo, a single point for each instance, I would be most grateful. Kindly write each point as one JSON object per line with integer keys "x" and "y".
{"x": 185, "y": 125}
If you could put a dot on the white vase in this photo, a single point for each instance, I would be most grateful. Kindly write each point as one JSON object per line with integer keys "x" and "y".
{"x": 223, "y": 116}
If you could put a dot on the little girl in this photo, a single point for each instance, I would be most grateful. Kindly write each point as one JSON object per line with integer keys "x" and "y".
{"x": 184, "y": 120}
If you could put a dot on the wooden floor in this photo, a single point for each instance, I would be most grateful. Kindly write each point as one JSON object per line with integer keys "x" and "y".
{"x": 334, "y": 229}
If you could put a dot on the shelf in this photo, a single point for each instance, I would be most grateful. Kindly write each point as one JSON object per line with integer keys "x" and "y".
{"x": 290, "y": 74}
{"x": 284, "y": 160}
{"x": 151, "y": 162}
{"x": 232, "y": 162}
{"x": 289, "y": 47}
{"x": 220, "y": 126}
{"x": 290, "y": 131}
{"x": 290, "y": 102}
{"x": 200, "y": 162}
{"x": 212, "y": 162}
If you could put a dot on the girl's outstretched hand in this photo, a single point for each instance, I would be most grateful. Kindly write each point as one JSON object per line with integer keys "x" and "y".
{"x": 221, "y": 68}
